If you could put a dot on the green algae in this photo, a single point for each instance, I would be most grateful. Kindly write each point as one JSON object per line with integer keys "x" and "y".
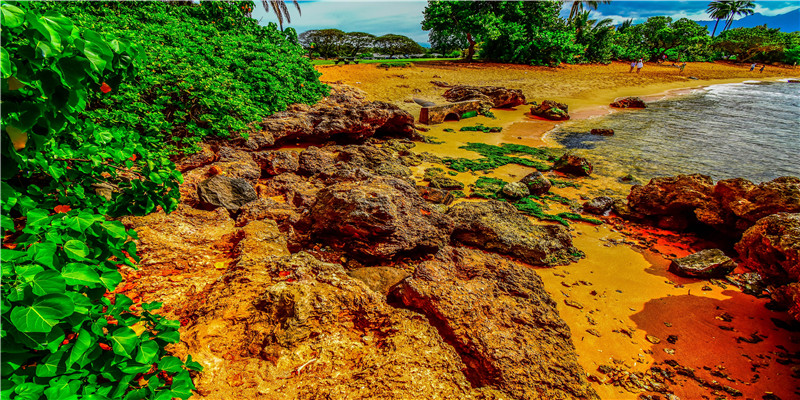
{"x": 578, "y": 217}
{"x": 507, "y": 153}
{"x": 481, "y": 128}
{"x": 562, "y": 184}
{"x": 469, "y": 114}
{"x": 452, "y": 173}
{"x": 448, "y": 130}
{"x": 487, "y": 188}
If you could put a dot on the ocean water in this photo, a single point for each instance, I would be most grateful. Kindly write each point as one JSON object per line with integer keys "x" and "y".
{"x": 749, "y": 130}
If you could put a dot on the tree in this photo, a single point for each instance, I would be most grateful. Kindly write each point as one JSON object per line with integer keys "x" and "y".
{"x": 280, "y": 9}
{"x": 578, "y": 6}
{"x": 595, "y": 35}
{"x": 661, "y": 34}
{"x": 453, "y": 20}
{"x": 356, "y": 42}
{"x": 759, "y": 43}
{"x": 326, "y": 42}
{"x": 739, "y": 8}
{"x": 445, "y": 43}
{"x": 718, "y": 10}
{"x": 397, "y": 44}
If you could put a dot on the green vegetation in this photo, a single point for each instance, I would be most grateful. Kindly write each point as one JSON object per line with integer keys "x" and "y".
{"x": 406, "y": 60}
{"x": 497, "y": 156}
{"x": 331, "y": 43}
{"x": 66, "y": 334}
{"x": 562, "y": 184}
{"x": 209, "y": 69}
{"x": 481, "y": 128}
{"x": 488, "y": 188}
{"x": 400, "y": 64}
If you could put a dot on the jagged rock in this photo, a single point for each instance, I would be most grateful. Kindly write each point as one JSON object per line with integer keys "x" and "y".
{"x": 381, "y": 161}
{"x": 629, "y": 102}
{"x": 345, "y": 114}
{"x": 743, "y": 203}
{"x": 516, "y": 190}
{"x": 203, "y": 157}
{"x": 537, "y": 183}
{"x": 234, "y": 163}
{"x": 498, "y": 316}
{"x": 772, "y": 247}
{"x": 499, "y": 97}
{"x": 497, "y": 226}
{"x": 379, "y": 218}
{"x": 222, "y": 191}
{"x": 788, "y": 296}
{"x": 674, "y": 196}
{"x": 574, "y": 165}
{"x": 705, "y": 264}
{"x": 283, "y": 214}
{"x": 313, "y": 160}
{"x": 602, "y": 132}
{"x": 277, "y": 162}
{"x": 551, "y": 110}
{"x": 446, "y": 183}
{"x": 379, "y": 279}
{"x": 438, "y": 196}
{"x": 598, "y": 205}
{"x": 295, "y": 189}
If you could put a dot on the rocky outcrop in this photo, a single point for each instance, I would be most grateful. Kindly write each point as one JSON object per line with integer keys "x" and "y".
{"x": 499, "y": 97}
{"x": 445, "y": 183}
{"x": 516, "y": 190}
{"x": 598, "y": 205}
{"x": 573, "y": 165}
{"x": 537, "y": 183}
{"x": 313, "y": 160}
{"x": 502, "y": 322}
{"x": 705, "y": 264}
{"x": 379, "y": 279}
{"x": 433, "y": 195}
{"x": 629, "y": 102}
{"x": 379, "y": 218}
{"x": 277, "y": 162}
{"x": 223, "y": 191}
{"x": 551, "y": 110}
{"x": 499, "y": 227}
{"x": 344, "y": 115}
{"x": 772, "y": 247}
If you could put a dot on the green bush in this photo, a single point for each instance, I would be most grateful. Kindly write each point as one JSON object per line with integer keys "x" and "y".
{"x": 209, "y": 70}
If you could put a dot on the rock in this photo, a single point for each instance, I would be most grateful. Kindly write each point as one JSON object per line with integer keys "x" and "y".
{"x": 551, "y": 110}
{"x": 277, "y": 162}
{"x": 283, "y": 214}
{"x": 203, "y": 157}
{"x": 629, "y": 102}
{"x": 772, "y": 247}
{"x": 382, "y": 161}
{"x": 295, "y": 189}
{"x": 602, "y": 132}
{"x": 345, "y": 114}
{"x": 502, "y": 322}
{"x": 498, "y": 96}
{"x": 574, "y": 165}
{"x": 793, "y": 81}
{"x": 443, "y": 182}
{"x": 705, "y": 264}
{"x": 377, "y": 219}
{"x": 424, "y": 103}
{"x": 788, "y": 296}
{"x": 379, "y": 279}
{"x": 516, "y": 190}
{"x": 313, "y": 160}
{"x": 222, "y": 191}
{"x": 598, "y": 205}
{"x": 433, "y": 195}
{"x": 499, "y": 227}
{"x": 672, "y": 196}
{"x": 537, "y": 183}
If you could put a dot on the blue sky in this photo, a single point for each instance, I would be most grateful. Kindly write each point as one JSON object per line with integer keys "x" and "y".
{"x": 403, "y": 17}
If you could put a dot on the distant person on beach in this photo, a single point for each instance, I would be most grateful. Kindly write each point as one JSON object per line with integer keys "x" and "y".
{"x": 683, "y": 66}
{"x": 633, "y": 65}
{"x": 762, "y": 68}
{"x": 752, "y": 67}
{"x": 639, "y": 66}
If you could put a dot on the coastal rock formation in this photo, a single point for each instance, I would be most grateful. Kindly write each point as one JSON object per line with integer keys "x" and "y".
{"x": 501, "y": 321}
{"x": 223, "y": 191}
{"x": 598, "y": 205}
{"x": 629, "y": 102}
{"x": 573, "y": 165}
{"x": 277, "y": 162}
{"x": 379, "y": 279}
{"x": 516, "y": 190}
{"x": 443, "y": 182}
{"x": 499, "y": 227}
{"x": 344, "y": 115}
{"x": 772, "y": 247}
{"x": 377, "y": 218}
{"x": 439, "y": 196}
{"x": 602, "y": 132}
{"x": 499, "y": 97}
{"x": 551, "y": 110}
{"x": 313, "y": 160}
{"x": 537, "y": 183}
{"x": 705, "y": 264}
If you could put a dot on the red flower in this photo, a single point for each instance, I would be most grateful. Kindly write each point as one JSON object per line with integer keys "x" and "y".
{"x": 62, "y": 209}
{"x": 105, "y": 88}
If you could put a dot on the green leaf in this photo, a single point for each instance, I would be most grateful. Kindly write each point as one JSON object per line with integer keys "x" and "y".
{"x": 5, "y": 63}
{"x": 97, "y": 51}
{"x": 51, "y": 365}
{"x": 40, "y": 341}
{"x": 45, "y": 313}
{"x": 48, "y": 282}
{"x": 170, "y": 364}
{"x": 53, "y": 26}
{"x": 124, "y": 341}
{"x": 193, "y": 365}
{"x": 12, "y": 16}
{"x": 76, "y": 249}
{"x": 37, "y": 217}
{"x": 80, "y": 274}
{"x": 43, "y": 253}
{"x": 103, "y": 137}
{"x": 81, "y": 221}
{"x": 170, "y": 336}
{"x": 84, "y": 350}
{"x": 115, "y": 229}
{"x": 148, "y": 352}
{"x": 110, "y": 279}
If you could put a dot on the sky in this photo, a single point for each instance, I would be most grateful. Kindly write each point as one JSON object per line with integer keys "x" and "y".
{"x": 403, "y": 17}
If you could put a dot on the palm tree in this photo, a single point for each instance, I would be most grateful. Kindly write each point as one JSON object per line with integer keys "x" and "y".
{"x": 718, "y": 10}
{"x": 578, "y": 5}
{"x": 739, "y": 8}
{"x": 280, "y": 9}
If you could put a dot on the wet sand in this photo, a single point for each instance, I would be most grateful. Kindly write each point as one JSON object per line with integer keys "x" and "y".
{"x": 622, "y": 285}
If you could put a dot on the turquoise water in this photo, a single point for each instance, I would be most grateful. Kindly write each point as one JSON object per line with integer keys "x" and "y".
{"x": 748, "y": 130}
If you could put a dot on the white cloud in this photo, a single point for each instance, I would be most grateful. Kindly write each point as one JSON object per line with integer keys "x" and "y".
{"x": 761, "y": 9}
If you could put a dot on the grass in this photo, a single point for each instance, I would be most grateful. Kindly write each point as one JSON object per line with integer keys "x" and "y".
{"x": 405, "y": 60}
{"x": 497, "y": 156}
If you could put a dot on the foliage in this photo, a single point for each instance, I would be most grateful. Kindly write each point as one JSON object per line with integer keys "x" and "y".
{"x": 280, "y": 9}
{"x": 758, "y": 44}
{"x": 597, "y": 37}
{"x": 65, "y": 334}
{"x": 481, "y": 128}
{"x": 458, "y": 24}
{"x": 356, "y": 42}
{"x": 497, "y": 156}
{"x": 578, "y": 6}
{"x": 326, "y": 42}
{"x": 210, "y": 70}
{"x": 397, "y": 44}
{"x": 394, "y": 65}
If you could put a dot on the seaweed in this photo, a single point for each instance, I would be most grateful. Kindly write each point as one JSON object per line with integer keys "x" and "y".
{"x": 481, "y": 128}
{"x": 578, "y": 217}
{"x": 497, "y": 156}
{"x": 448, "y": 130}
{"x": 458, "y": 194}
{"x": 489, "y": 114}
{"x": 562, "y": 184}
{"x": 431, "y": 140}
{"x": 531, "y": 207}
{"x": 487, "y": 188}
{"x": 469, "y": 114}
{"x": 558, "y": 199}
{"x": 452, "y": 173}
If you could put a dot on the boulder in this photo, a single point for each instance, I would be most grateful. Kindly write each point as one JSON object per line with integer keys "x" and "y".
{"x": 516, "y": 190}
{"x": 277, "y": 162}
{"x": 223, "y": 191}
{"x": 379, "y": 218}
{"x": 433, "y": 195}
{"x": 629, "y": 102}
{"x": 295, "y": 189}
{"x": 705, "y": 264}
{"x": 598, "y": 205}
{"x": 283, "y": 214}
{"x": 313, "y": 160}
{"x": 537, "y": 183}
{"x": 551, "y": 110}
{"x": 772, "y": 247}
{"x": 788, "y": 296}
{"x": 573, "y": 165}
{"x": 676, "y": 196}
{"x": 502, "y": 322}
{"x": 602, "y": 132}
{"x": 499, "y": 227}
{"x": 499, "y": 97}
{"x": 380, "y": 160}
{"x": 203, "y": 157}
{"x": 446, "y": 183}
{"x": 379, "y": 279}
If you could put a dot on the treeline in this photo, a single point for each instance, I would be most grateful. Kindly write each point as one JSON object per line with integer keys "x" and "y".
{"x": 328, "y": 43}
{"x": 534, "y": 33}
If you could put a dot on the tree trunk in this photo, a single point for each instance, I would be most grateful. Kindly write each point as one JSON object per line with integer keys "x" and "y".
{"x": 715, "y": 28}
{"x": 471, "y": 50}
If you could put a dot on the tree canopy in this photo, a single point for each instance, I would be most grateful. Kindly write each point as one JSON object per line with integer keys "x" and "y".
{"x": 397, "y": 44}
